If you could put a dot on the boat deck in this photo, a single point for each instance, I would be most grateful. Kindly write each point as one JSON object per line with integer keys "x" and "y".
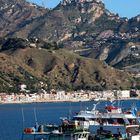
{"x": 35, "y": 134}
{"x": 54, "y": 136}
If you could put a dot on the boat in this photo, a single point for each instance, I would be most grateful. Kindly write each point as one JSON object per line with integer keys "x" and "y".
{"x": 113, "y": 123}
{"x": 68, "y": 130}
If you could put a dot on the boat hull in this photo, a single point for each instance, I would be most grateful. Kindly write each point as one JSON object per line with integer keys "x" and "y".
{"x": 70, "y": 136}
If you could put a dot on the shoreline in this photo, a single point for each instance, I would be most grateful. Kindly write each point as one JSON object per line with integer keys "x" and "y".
{"x": 50, "y": 101}
{"x": 62, "y": 96}
{"x": 63, "y": 101}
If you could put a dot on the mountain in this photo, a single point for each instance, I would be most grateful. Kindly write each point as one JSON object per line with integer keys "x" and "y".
{"x": 71, "y": 20}
{"x": 69, "y": 47}
{"x": 25, "y": 62}
{"x": 88, "y": 28}
{"x": 15, "y": 14}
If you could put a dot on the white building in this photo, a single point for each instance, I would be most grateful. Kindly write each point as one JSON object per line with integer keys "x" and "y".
{"x": 60, "y": 95}
{"x": 125, "y": 93}
{"x": 23, "y": 87}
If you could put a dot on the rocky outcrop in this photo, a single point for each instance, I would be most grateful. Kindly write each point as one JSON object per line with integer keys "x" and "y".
{"x": 15, "y": 14}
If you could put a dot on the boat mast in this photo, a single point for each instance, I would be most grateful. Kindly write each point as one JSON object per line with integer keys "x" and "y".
{"x": 70, "y": 111}
{"x": 23, "y": 118}
{"x": 35, "y": 115}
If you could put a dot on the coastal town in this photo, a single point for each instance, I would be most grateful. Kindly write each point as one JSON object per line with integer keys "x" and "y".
{"x": 63, "y": 96}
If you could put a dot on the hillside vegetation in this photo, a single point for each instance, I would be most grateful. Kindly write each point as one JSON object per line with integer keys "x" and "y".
{"x": 58, "y": 69}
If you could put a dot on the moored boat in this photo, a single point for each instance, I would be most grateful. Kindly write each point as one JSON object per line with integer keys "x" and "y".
{"x": 68, "y": 130}
{"x": 112, "y": 124}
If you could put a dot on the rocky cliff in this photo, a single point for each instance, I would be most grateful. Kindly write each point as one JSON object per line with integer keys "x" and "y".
{"x": 14, "y": 14}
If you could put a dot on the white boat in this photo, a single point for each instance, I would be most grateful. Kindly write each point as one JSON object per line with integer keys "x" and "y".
{"x": 113, "y": 123}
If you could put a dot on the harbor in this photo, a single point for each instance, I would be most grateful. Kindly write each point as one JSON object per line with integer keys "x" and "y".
{"x": 11, "y": 119}
{"x": 113, "y": 123}
{"x": 66, "y": 131}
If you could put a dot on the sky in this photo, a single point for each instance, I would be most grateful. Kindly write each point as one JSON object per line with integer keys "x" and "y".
{"x": 125, "y": 8}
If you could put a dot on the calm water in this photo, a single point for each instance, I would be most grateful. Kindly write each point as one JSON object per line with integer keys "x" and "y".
{"x": 11, "y": 120}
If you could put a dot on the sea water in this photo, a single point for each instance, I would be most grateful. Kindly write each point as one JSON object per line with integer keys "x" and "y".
{"x": 15, "y": 117}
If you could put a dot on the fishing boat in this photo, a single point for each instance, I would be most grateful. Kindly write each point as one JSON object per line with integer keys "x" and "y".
{"x": 68, "y": 130}
{"x": 114, "y": 123}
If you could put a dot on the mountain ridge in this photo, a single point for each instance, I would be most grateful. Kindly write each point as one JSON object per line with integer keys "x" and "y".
{"x": 57, "y": 68}
{"x": 84, "y": 28}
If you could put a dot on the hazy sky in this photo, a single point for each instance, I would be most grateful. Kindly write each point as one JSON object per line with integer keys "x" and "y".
{"x": 125, "y": 8}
